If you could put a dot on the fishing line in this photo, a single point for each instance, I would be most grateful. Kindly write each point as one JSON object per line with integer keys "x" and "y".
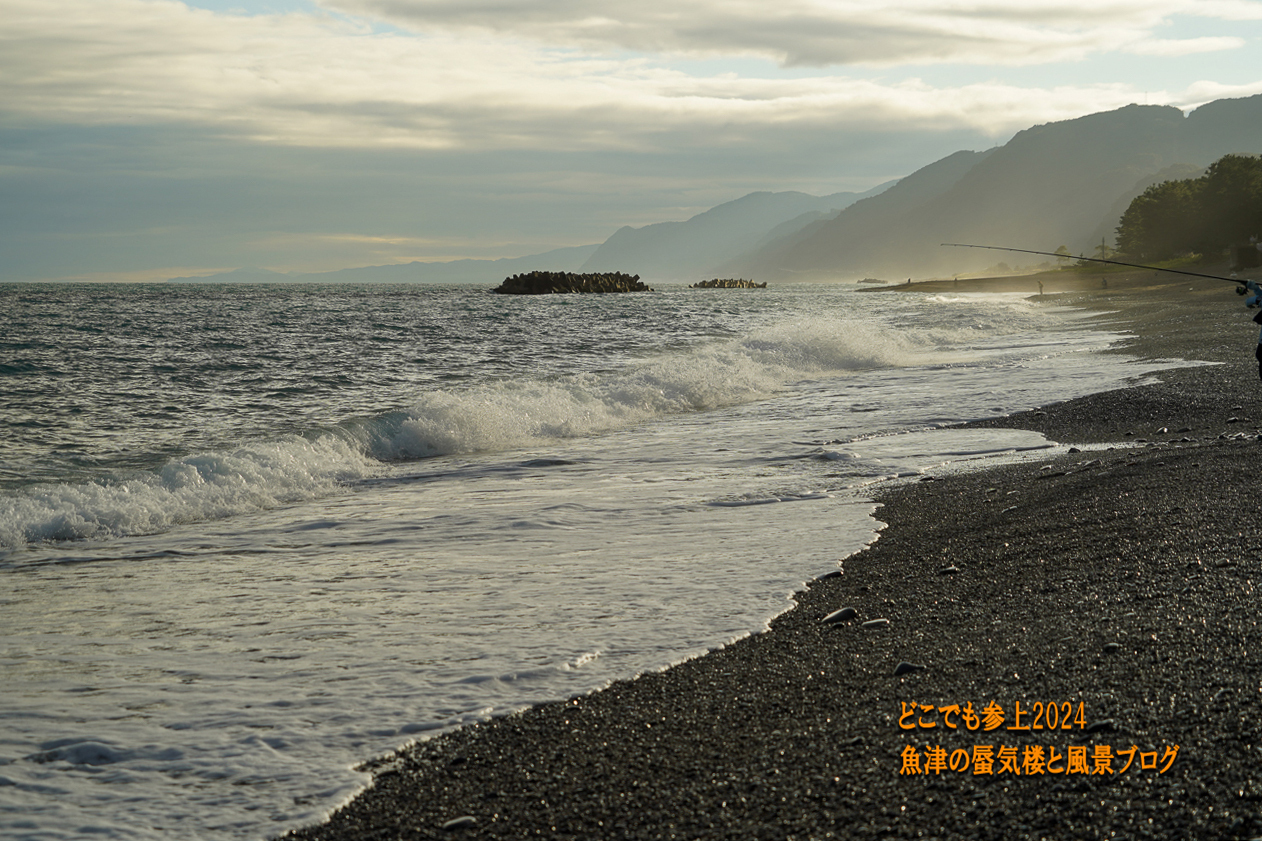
{"x": 1096, "y": 260}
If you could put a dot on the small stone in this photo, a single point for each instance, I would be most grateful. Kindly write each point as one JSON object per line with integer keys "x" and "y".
{"x": 1162, "y": 431}
{"x": 1073, "y": 450}
{"x": 1099, "y": 726}
{"x": 1112, "y": 648}
{"x": 875, "y": 623}
{"x": 843, "y": 615}
{"x": 462, "y": 822}
{"x": 951, "y": 570}
{"x": 829, "y": 575}
{"x": 906, "y": 668}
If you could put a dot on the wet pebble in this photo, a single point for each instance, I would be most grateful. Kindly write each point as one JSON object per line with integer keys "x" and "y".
{"x": 462, "y": 822}
{"x": 1112, "y": 647}
{"x": 876, "y": 623}
{"x": 1101, "y": 726}
{"x": 906, "y": 668}
{"x": 843, "y": 615}
{"x": 951, "y": 570}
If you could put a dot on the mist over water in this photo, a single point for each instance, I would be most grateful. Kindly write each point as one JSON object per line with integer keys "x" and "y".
{"x": 253, "y": 536}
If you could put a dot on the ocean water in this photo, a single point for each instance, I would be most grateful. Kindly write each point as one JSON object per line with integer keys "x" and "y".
{"x": 252, "y": 536}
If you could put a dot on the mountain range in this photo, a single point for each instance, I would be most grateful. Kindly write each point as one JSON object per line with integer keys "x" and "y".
{"x": 1064, "y": 183}
{"x": 692, "y": 249}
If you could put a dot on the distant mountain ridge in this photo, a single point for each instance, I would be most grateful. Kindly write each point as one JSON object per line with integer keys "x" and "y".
{"x": 1062, "y": 183}
{"x": 693, "y": 249}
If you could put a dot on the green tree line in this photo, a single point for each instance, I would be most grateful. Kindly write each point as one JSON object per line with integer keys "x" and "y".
{"x": 1197, "y": 215}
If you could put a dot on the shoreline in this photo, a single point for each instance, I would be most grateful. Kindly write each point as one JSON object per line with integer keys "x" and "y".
{"x": 1120, "y": 580}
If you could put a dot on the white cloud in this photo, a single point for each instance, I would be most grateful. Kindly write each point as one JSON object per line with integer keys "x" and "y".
{"x": 1186, "y": 46}
{"x": 820, "y": 32}
{"x": 322, "y": 81}
{"x": 139, "y": 133}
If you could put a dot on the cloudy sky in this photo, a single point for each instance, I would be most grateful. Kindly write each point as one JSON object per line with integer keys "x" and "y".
{"x": 141, "y": 139}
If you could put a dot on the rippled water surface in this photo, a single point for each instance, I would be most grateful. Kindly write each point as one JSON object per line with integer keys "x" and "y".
{"x": 254, "y": 535}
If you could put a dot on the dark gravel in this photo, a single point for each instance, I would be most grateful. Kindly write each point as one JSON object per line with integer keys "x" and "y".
{"x": 1120, "y": 579}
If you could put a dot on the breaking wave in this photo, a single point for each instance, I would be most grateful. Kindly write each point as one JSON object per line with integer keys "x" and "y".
{"x": 488, "y": 417}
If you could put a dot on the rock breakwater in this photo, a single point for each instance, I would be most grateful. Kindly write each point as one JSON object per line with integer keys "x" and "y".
{"x": 558, "y": 283}
{"x": 728, "y": 283}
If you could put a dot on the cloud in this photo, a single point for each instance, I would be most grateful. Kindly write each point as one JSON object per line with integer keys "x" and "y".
{"x": 820, "y": 32}
{"x": 137, "y": 134}
{"x": 324, "y": 81}
{"x": 1186, "y": 46}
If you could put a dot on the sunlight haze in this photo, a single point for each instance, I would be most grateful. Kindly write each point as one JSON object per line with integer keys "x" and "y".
{"x": 145, "y": 139}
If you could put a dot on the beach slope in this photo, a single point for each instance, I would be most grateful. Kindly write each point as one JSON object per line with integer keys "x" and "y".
{"x": 1115, "y": 585}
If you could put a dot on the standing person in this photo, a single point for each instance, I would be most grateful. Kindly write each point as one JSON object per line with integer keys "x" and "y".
{"x": 1252, "y": 301}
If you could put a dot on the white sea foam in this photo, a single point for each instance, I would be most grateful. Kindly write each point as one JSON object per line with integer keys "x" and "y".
{"x": 489, "y": 417}
{"x": 221, "y": 680}
{"x": 514, "y": 414}
{"x": 190, "y": 489}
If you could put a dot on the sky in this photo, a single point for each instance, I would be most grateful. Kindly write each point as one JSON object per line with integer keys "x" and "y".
{"x": 145, "y": 139}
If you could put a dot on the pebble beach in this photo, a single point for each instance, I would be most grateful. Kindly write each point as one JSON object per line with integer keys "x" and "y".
{"x": 1057, "y": 647}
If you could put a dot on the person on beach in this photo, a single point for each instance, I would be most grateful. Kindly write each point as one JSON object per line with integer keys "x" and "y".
{"x": 1252, "y": 301}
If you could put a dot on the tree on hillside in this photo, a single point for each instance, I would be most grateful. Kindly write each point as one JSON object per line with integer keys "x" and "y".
{"x": 1162, "y": 221}
{"x": 1203, "y": 214}
{"x": 1231, "y": 198}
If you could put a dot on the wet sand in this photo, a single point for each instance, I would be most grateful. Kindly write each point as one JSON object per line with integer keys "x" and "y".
{"x": 1116, "y": 584}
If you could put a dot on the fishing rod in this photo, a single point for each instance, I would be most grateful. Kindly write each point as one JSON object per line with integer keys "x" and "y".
{"x": 1098, "y": 260}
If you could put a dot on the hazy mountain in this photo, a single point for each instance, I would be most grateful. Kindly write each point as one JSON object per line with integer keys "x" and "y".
{"x": 1057, "y": 184}
{"x": 870, "y": 219}
{"x": 1064, "y": 183}
{"x": 1106, "y": 230}
{"x": 693, "y": 249}
{"x": 1221, "y": 128}
{"x": 489, "y": 272}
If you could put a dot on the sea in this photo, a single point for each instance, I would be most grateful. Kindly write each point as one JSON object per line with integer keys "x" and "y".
{"x": 252, "y": 536}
